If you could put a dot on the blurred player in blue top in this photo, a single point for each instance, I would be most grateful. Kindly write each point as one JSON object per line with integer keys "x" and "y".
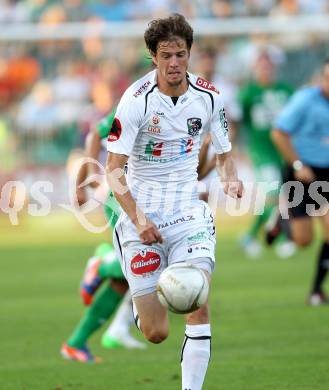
{"x": 302, "y": 137}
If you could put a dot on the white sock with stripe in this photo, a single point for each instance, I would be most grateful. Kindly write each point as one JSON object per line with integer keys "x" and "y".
{"x": 195, "y": 356}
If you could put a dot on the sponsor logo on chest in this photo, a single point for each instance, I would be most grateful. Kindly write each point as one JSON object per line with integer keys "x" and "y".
{"x": 154, "y": 127}
{"x": 153, "y": 148}
{"x": 186, "y": 146}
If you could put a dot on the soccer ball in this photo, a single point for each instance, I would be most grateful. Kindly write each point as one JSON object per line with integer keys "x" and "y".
{"x": 182, "y": 288}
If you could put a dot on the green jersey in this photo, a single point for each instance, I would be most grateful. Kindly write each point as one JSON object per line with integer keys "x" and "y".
{"x": 260, "y": 107}
{"x": 104, "y": 126}
{"x": 111, "y": 207}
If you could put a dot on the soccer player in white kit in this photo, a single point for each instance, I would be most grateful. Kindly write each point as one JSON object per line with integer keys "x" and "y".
{"x": 158, "y": 127}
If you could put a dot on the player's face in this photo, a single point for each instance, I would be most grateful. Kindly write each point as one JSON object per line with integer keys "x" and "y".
{"x": 325, "y": 80}
{"x": 171, "y": 60}
{"x": 264, "y": 69}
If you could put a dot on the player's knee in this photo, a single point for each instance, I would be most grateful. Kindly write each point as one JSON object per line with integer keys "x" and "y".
{"x": 154, "y": 335}
{"x": 303, "y": 241}
{"x": 119, "y": 285}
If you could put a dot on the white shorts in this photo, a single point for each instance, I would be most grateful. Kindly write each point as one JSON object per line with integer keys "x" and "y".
{"x": 189, "y": 236}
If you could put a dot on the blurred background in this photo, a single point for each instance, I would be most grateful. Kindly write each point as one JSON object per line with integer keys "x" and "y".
{"x": 63, "y": 66}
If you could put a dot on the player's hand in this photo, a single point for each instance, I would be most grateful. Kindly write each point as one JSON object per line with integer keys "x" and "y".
{"x": 234, "y": 189}
{"x": 81, "y": 196}
{"x": 305, "y": 175}
{"x": 148, "y": 232}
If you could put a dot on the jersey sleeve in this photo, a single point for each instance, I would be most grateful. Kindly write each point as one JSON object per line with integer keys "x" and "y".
{"x": 125, "y": 125}
{"x": 293, "y": 114}
{"x": 219, "y": 128}
{"x": 104, "y": 126}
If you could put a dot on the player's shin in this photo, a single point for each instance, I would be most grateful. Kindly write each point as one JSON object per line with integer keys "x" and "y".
{"x": 118, "y": 333}
{"x": 322, "y": 269}
{"x": 101, "y": 309}
{"x": 195, "y": 355}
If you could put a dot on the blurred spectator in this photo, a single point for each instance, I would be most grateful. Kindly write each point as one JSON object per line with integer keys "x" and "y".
{"x": 13, "y": 11}
{"x": 76, "y": 10}
{"x": 53, "y": 89}
{"x": 110, "y": 10}
{"x": 54, "y": 14}
{"x": 54, "y": 11}
{"x": 258, "y": 7}
{"x": 316, "y": 7}
{"x": 261, "y": 99}
{"x": 150, "y": 9}
{"x": 285, "y": 8}
{"x": 17, "y": 74}
{"x": 37, "y": 113}
{"x": 221, "y": 8}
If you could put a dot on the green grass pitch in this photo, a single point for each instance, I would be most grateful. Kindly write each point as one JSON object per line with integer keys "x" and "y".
{"x": 264, "y": 336}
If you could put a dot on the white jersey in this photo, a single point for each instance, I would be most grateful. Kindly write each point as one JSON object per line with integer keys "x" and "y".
{"x": 163, "y": 140}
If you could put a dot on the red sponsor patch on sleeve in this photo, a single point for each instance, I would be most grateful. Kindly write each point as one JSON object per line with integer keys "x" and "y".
{"x": 145, "y": 262}
{"x": 203, "y": 83}
{"x": 115, "y": 131}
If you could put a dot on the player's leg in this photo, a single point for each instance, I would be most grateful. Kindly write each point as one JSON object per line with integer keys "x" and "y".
{"x": 301, "y": 230}
{"x": 103, "y": 265}
{"x": 142, "y": 266}
{"x": 118, "y": 333}
{"x": 152, "y": 317}
{"x": 193, "y": 242}
{"x": 196, "y": 348}
{"x": 317, "y": 294}
{"x": 112, "y": 209}
{"x": 301, "y": 226}
{"x": 105, "y": 303}
{"x": 264, "y": 173}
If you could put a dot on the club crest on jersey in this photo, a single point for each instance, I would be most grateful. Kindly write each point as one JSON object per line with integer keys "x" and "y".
{"x": 194, "y": 126}
{"x": 206, "y": 85}
{"x": 145, "y": 262}
{"x": 115, "y": 131}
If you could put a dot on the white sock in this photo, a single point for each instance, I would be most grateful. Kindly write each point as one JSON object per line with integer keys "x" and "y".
{"x": 123, "y": 318}
{"x": 195, "y": 356}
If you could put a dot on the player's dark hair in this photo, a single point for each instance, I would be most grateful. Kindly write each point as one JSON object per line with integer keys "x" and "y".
{"x": 326, "y": 61}
{"x": 167, "y": 29}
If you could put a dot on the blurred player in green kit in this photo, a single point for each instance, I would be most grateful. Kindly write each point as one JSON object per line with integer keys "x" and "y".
{"x": 103, "y": 288}
{"x": 261, "y": 100}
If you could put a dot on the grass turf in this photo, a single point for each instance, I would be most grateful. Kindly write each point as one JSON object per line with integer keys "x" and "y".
{"x": 264, "y": 337}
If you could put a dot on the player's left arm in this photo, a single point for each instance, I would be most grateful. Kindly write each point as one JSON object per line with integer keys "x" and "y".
{"x": 205, "y": 165}
{"x": 226, "y": 168}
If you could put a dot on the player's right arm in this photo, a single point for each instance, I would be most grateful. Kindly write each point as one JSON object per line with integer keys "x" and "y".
{"x": 147, "y": 231}
{"x": 93, "y": 143}
{"x": 93, "y": 146}
{"x": 288, "y": 123}
{"x": 226, "y": 168}
{"x": 121, "y": 139}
